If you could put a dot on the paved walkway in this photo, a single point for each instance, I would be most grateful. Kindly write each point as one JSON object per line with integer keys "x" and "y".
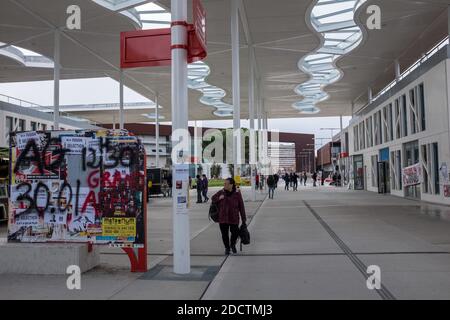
{"x": 312, "y": 244}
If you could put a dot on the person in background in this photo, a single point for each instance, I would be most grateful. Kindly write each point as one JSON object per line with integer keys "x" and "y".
{"x": 304, "y": 178}
{"x": 199, "y": 189}
{"x": 271, "y": 186}
{"x": 169, "y": 184}
{"x": 205, "y": 188}
{"x": 190, "y": 182}
{"x": 230, "y": 206}
{"x": 276, "y": 177}
{"x": 295, "y": 181}
{"x": 257, "y": 182}
{"x": 286, "y": 181}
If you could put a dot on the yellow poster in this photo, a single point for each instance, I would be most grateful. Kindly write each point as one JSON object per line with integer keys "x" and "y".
{"x": 237, "y": 179}
{"x": 119, "y": 227}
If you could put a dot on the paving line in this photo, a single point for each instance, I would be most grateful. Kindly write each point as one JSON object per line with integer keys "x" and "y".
{"x": 297, "y": 254}
{"x": 384, "y": 293}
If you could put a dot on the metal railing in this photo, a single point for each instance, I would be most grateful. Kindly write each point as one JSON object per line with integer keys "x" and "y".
{"x": 444, "y": 42}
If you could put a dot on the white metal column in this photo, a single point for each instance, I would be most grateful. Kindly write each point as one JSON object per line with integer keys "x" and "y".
{"x": 342, "y": 144}
{"x": 56, "y": 77}
{"x": 251, "y": 112}
{"x": 157, "y": 130}
{"x": 195, "y": 149}
{"x": 121, "y": 115}
{"x": 181, "y": 238}
{"x": 236, "y": 85}
{"x": 260, "y": 132}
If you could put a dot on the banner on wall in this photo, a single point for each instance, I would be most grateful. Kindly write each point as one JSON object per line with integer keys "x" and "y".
{"x": 77, "y": 186}
{"x": 412, "y": 175}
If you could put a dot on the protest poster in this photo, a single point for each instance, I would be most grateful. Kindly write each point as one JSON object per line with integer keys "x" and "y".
{"x": 412, "y": 175}
{"x": 66, "y": 184}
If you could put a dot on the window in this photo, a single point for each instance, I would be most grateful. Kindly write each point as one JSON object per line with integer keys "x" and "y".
{"x": 397, "y": 123}
{"x": 362, "y": 143}
{"x": 426, "y": 166}
{"x": 430, "y": 163}
{"x": 390, "y": 122}
{"x": 21, "y": 126}
{"x": 43, "y": 127}
{"x": 417, "y": 109}
{"x": 436, "y": 167}
{"x": 33, "y": 126}
{"x": 387, "y": 123}
{"x": 355, "y": 138}
{"x": 377, "y": 128}
{"x": 374, "y": 165}
{"x": 403, "y": 116}
{"x": 396, "y": 170}
{"x": 422, "y": 107}
{"x": 9, "y": 127}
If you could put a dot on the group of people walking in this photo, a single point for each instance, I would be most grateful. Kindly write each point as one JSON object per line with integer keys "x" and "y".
{"x": 291, "y": 180}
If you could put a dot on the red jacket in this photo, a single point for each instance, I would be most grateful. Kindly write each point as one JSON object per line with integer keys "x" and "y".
{"x": 230, "y": 207}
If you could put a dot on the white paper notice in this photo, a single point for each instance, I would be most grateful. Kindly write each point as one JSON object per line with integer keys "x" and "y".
{"x": 23, "y": 138}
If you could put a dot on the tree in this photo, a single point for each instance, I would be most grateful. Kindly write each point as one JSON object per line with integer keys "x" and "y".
{"x": 231, "y": 169}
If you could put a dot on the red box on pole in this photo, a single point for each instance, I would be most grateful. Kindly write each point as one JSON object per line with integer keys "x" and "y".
{"x": 152, "y": 48}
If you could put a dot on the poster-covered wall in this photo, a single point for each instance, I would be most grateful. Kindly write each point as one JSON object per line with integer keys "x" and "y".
{"x": 77, "y": 186}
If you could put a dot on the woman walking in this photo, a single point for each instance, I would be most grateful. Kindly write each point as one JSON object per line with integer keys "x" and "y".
{"x": 231, "y": 206}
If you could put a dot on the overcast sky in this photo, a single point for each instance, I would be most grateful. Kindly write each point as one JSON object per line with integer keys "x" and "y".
{"x": 106, "y": 90}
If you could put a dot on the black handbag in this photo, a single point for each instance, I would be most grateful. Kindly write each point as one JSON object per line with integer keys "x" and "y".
{"x": 244, "y": 235}
{"x": 213, "y": 212}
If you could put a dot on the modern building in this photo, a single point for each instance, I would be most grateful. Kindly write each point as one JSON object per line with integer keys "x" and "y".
{"x": 282, "y": 156}
{"x": 327, "y": 157}
{"x": 19, "y": 115}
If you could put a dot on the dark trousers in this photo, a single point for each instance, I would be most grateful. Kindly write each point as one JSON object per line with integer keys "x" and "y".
{"x": 199, "y": 196}
{"x": 286, "y": 187}
{"x": 224, "y": 229}
{"x": 205, "y": 194}
{"x": 271, "y": 192}
{"x": 295, "y": 186}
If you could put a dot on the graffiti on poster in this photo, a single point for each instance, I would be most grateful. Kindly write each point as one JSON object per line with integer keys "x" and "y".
{"x": 77, "y": 186}
{"x": 412, "y": 175}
